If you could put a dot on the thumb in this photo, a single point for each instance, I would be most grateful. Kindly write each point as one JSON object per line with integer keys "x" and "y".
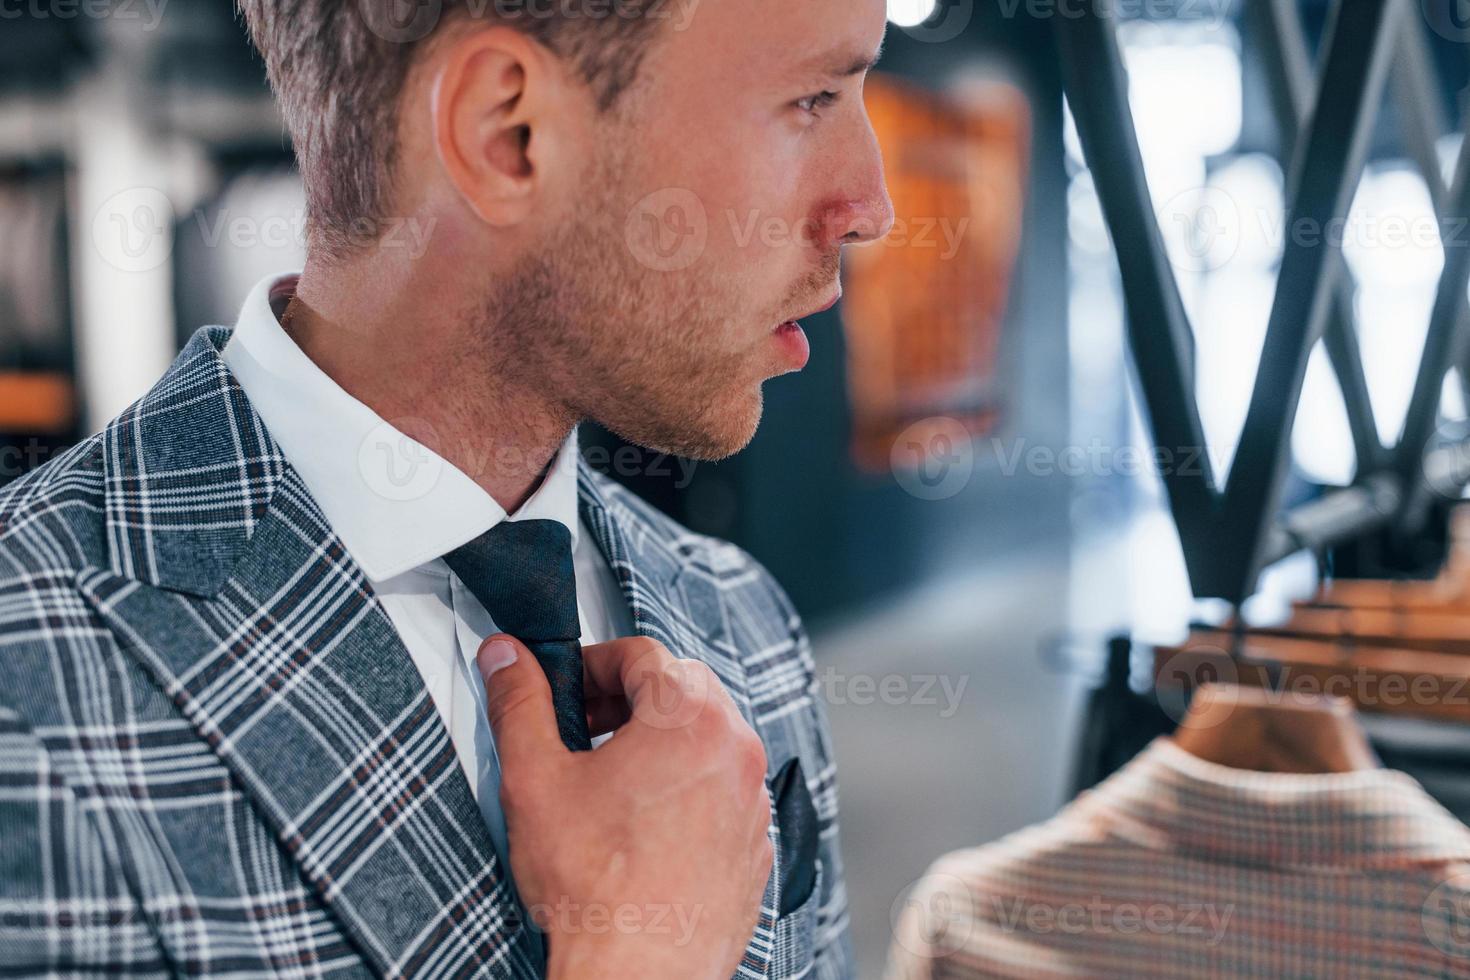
{"x": 518, "y": 701}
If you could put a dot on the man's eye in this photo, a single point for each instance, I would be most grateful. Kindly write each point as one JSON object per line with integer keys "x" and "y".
{"x": 814, "y": 102}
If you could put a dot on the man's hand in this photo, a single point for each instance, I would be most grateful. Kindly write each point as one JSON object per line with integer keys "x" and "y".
{"x": 647, "y": 856}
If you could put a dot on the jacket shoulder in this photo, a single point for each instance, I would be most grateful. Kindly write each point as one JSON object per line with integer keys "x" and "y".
{"x": 53, "y": 519}
{"x": 52, "y": 527}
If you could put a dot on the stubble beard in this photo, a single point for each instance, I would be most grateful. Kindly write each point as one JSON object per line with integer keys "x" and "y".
{"x": 635, "y": 349}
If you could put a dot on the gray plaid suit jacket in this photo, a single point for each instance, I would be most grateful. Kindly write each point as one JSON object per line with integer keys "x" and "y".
{"x": 216, "y": 758}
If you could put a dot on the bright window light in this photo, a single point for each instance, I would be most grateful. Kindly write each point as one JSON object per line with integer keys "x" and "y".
{"x": 1392, "y": 237}
{"x": 1322, "y": 439}
{"x": 911, "y": 13}
{"x": 1184, "y": 87}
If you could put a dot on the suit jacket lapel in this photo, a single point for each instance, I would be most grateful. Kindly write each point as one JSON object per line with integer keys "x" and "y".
{"x": 683, "y": 603}
{"x": 672, "y": 601}
{"x": 230, "y": 588}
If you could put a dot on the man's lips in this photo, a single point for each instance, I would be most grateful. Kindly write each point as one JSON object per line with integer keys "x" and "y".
{"x": 829, "y": 304}
{"x": 792, "y": 339}
{"x": 821, "y": 309}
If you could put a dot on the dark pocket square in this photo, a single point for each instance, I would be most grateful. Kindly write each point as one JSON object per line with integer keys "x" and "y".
{"x": 796, "y": 816}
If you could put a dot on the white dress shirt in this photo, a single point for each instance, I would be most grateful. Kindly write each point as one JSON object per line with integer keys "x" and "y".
{"x": 399, "y": 507}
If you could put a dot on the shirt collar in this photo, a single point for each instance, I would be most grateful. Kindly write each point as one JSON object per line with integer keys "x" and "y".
{"x": 395, "y": 503}
{"x": 1168, "y": 799}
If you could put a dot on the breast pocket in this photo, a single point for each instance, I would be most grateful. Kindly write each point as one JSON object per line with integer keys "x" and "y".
{"x": 793, "y": 950}
{"x": 798, "y": 871}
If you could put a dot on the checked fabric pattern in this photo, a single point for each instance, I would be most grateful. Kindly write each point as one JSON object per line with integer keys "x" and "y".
{"x": 1175, "y": 868}
{"x": 216, "y": 758}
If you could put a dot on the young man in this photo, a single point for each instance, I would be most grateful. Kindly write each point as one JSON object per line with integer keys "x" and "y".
{"x": 259, "y": 713}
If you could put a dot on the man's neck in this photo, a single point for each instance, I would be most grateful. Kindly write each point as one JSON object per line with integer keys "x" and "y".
{"x": 413, "y": 364}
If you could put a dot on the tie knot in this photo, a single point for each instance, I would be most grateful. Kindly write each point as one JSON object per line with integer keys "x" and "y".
{"x": 522, "y": 573}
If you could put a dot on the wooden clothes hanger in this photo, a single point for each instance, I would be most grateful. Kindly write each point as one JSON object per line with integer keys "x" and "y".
{"x": 1433, "y": 629}
{"x": 1250, "y": 728}
{"x": 1379, "y": 680}
{"x": 1286, "y": 699}
{"x": 1436, "y": 595}
{"x": 1283, "y": 680}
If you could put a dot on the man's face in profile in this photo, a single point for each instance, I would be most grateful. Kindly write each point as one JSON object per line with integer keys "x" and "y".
{"x": 710, "y": 211}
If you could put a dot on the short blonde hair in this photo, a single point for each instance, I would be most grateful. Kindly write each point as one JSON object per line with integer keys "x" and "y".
{"x": 337, "y": 68}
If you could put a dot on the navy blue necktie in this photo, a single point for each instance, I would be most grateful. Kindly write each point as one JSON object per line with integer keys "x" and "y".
{"x": 522, "y": 573}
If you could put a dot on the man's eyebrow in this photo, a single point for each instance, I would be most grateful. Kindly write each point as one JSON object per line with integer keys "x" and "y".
{"x": 845, "y": 65}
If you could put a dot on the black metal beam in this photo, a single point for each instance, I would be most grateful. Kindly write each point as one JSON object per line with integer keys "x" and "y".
{"x": 1322, "y": 182}
{"x": 1159, "y": 334}
{"x": 1335, "y": 517}
{"x": 1444, "y": 344}
{"x": 1228, "y": 537}
{"x": 1276, "y": 29}
{"x": 1416, "y": 96}
{"x": 1424, "y": 121}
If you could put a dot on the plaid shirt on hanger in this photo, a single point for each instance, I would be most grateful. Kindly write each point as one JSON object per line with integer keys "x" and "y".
{"x": 1176, "y": 867}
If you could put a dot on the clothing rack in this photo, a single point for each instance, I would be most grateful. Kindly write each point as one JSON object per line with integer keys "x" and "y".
{"x": 1125, "y": 713}
{"x": 1230, "y": 532}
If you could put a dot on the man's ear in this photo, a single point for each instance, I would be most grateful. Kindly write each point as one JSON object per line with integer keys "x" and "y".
{"x": 490, "y": 94}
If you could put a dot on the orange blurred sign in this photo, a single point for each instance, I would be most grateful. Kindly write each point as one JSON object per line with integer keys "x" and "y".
{"x": 922, "y": 307}
{"x": 37, "y": 403}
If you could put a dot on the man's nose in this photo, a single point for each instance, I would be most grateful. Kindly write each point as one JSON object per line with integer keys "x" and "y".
{"x": 858, "y": 220}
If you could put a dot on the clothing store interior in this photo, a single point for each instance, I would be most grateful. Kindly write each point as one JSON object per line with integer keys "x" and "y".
{"x": 1120, "y": 496}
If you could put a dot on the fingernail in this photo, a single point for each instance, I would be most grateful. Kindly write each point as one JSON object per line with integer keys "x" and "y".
{"x": 495, "y": 654}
